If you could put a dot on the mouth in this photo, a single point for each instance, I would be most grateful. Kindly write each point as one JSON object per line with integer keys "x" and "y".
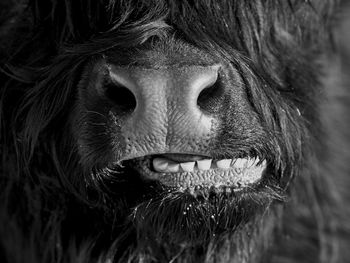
{"x": 192, "y": 172}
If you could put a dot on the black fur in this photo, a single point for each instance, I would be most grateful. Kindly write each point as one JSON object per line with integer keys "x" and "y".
{"x": 56, "y": 209}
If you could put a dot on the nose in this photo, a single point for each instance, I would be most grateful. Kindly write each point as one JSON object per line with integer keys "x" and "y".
{"x": 195, "y": 87}
{"x": 166, "y": 109}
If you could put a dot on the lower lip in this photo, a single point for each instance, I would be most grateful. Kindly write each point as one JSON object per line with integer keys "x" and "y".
{"x": 236, "y": 178}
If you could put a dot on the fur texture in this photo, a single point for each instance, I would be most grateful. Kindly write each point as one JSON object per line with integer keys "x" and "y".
{"x": 53, "y": 210}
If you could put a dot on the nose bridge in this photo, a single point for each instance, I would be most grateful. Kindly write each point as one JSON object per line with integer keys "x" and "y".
{"x": 167, "y": 118}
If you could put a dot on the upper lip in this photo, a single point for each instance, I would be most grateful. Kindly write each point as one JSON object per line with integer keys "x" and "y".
{"x": 175, "y": 156}
{"x": 180, "y": 157}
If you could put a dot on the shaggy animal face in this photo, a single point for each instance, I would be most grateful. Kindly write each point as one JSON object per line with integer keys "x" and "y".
{"x": 187, "y": 133}
{"x": 143, "y": 131}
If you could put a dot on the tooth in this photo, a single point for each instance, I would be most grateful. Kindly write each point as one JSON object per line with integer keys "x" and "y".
{"x": 224, "y": 164}
{"x": 240, "y": 162}
{"x": 204, "y": 164}
{"x": 187, "y": 167}
{"x": 251, "y": 162}
{"x": 173, "y": 167}
{"x": 257, "y": 160}
{"x": 263, "y": 163}
{"x": 160, "y": 164}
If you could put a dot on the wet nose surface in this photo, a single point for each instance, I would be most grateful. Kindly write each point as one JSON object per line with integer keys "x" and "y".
{"x": 166, "y": 115}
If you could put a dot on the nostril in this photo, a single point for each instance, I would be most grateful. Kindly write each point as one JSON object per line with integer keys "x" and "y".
{"x": 121, "y": 97}
{"x": 209, "y": 99}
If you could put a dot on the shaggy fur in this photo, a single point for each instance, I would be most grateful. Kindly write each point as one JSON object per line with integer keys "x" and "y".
{"x": 56, "y": 208}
